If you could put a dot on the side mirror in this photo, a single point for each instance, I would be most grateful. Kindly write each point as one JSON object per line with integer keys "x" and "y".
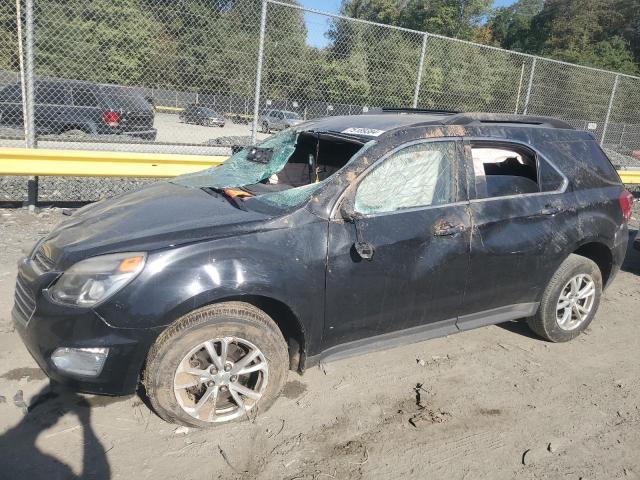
{"x": 348, "y": 212}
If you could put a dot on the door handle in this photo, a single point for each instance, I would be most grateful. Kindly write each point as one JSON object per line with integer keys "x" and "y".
{"x": 447, "y": 230}
{"x": 549, "y": 210}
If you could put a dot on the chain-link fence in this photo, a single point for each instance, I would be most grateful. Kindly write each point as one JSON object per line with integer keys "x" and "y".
{"x": 175, "y": 76}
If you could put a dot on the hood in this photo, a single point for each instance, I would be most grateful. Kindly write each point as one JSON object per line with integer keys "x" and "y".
{"x": 158, "y": 216}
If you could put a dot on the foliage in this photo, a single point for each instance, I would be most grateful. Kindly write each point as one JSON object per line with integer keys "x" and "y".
{"x": 210, "y": 46}
{"x": 597, "y": 33}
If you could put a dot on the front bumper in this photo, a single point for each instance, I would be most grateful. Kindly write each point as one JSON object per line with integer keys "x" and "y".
{"x": 51, "y": 325}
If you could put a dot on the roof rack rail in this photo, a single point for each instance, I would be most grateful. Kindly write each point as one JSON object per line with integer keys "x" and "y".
{"x": 476, "y": 118}
{"x": 413, "y": 110}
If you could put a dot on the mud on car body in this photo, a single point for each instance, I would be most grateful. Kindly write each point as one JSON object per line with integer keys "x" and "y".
{"x": 337, "y": 237}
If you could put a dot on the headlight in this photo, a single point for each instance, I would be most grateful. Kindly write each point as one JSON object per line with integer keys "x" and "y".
{"x": 95, "y": 279}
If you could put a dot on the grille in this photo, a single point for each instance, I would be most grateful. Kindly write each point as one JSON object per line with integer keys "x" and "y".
{"x": 41, "y": 261}
{"x": 24, "y": 300}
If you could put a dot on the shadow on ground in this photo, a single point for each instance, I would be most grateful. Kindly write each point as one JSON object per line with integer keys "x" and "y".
{"x": 21, "y": 458}
{"x": 632, "y": 260}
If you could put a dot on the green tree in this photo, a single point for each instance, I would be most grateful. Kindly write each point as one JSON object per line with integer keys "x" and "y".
{"x": 511, "y": 26}
{"x": 598, "y": 33}
{"x": 8, "y": 37}
{"x": 454, "y": 18}
{"x": 102, "y": 40}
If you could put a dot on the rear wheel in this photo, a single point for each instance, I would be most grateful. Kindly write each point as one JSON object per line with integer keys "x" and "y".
{"x": 570, "y": 300}
{"x": 75, "y": 132}
{"x": 217, "y": 364}
{"x": 265, "y": 127}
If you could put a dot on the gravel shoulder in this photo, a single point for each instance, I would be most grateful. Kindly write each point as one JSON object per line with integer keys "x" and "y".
{"x": 493, "y": 403}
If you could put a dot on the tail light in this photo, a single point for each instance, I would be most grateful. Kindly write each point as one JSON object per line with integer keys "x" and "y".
{"x": 626, "y": 202}
{"x": 111, "y": 118}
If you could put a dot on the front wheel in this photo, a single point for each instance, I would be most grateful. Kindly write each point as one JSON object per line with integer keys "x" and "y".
{"x": 215, "y": 365}
{"x": 570, "y": 300}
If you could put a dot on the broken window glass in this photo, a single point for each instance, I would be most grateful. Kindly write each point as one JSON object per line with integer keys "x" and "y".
{"x": 506, "y": 171}
{"x": 296, "y": 196}
{"x": 416, "y": 176}
{"x": 247, "y": 166}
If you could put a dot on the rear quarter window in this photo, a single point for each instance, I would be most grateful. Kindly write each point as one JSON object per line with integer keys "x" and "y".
{"x": 122, "y": 98}
{"x": 587, "y": 165}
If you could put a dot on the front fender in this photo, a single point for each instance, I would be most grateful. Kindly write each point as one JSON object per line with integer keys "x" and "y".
{"x": 287, "y": 265}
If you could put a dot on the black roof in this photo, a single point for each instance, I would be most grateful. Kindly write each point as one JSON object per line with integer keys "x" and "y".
{"x": 376, "y": 123}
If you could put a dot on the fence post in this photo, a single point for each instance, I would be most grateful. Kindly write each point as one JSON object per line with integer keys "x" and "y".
{"x": 30, "y": 132}
{"x": 624, "y": 127}
{"x": 606, "y": 120}
{"x": 528, "y": 97}
{"x": 519, "y": 89}
{"x": 423, "y": 51}
{"x": 256, "y": 98}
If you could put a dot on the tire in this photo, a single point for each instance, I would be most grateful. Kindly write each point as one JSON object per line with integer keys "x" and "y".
{"x": 249, "y": 327}
{"x": 546, "y": 321}
{"x": 75, "y": 132}
{"x": 265, "y": 127}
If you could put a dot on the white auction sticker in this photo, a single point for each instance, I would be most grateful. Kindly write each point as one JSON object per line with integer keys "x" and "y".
{"x": 370, "y": 132}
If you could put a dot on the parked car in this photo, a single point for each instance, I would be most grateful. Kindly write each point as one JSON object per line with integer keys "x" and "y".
{"x": 277, "y": 120}
{"x": 338, "y": 237}
{"x": 81, "y": 108}
{"x": 202, "y": 116}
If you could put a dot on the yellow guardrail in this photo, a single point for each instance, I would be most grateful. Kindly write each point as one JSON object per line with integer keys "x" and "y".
{"x": 630, "y": 177}
{"x": 90, "y": 163}
{"x": 96, "y": 163}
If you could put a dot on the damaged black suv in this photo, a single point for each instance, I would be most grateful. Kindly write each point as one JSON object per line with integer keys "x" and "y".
{"x": 336, "y": 237}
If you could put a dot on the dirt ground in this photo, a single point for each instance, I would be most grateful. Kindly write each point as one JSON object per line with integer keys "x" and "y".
{"x": 493, "y": 403}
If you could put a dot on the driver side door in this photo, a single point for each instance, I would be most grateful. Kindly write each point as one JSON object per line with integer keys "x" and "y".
{"x": 413, "y": 213}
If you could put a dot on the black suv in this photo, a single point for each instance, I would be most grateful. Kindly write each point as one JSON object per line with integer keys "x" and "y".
{"x": 202, "y": 116}
{"x": 336, "y": 237}
{"x": 81, "y": 108}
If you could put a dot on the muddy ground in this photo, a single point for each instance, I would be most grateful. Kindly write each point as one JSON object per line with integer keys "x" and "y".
{"x": 493, "y": 403}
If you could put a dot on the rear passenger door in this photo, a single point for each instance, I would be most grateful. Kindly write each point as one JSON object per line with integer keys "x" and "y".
{"x": 519, "y": 211}
{"x": 52, "y": 107}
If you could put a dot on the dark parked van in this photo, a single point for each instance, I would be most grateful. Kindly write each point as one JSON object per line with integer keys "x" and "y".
{"x": 81, "y": 108}
{"x": 336, "y": 237}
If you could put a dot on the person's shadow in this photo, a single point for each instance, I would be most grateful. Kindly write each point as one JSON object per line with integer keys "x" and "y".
{"x": 19, "y": 456}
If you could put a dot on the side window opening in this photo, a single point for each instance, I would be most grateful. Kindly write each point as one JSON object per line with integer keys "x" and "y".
{"x": 416, "y": 176}
{"x": 316, "y": 157}
{"x": 49, "y": 93}
{"x": 84, "y": 97}
{"x": 503, "y": 169}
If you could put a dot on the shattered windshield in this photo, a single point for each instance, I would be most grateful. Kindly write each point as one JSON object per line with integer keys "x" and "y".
{"x": 282, "y": 171}
{"x": 248, "y": 166}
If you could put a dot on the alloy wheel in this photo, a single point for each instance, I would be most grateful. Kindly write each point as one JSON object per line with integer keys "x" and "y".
{"x": 576, "y": 301}
{"x": 221, "y": 379}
